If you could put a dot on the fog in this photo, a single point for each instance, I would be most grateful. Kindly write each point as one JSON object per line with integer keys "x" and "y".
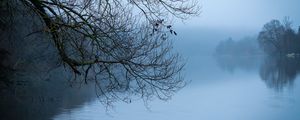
{"x": 202, "y": 41}
{"x": 221, "y": 19}
{"x": 243, "y": 15}
{"x": 228, "y": 85}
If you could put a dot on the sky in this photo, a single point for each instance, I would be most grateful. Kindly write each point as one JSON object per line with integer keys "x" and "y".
{"x": 221, "y": 19}
{"x": 243, "y": 14}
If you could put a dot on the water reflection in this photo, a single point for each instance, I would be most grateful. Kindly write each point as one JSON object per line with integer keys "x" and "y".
{"x": 41, "y": 99}
{"x": 231, "y": 63}
{"x": 38, "y": 95}
{"x": 39, "y": 87}
{"x": 277, "y": 72}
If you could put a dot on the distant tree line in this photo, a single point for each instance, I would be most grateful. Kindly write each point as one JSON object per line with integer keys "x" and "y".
{"x": 245, "y": 46}
{"x": 279, "y": 38}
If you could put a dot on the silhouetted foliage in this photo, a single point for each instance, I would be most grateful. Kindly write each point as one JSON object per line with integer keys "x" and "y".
{"x": 279, "y": 38}
{"x": 121, "y": 46}
{"x": 243, "y": 47}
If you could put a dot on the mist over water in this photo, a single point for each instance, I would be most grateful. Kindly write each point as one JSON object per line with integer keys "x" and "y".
{"x": 243, "y": 89}
{"x": 221, "y": 87}
{"x": 223, "y": 83}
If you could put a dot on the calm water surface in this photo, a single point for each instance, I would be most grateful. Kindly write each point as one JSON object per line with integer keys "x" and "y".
{"x": 222, "y": 88}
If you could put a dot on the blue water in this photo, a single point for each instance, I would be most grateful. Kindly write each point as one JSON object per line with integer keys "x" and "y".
{"x": 219, "y": 90}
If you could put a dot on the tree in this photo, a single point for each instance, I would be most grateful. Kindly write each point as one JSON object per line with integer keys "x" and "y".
{"x": 289, "y": 42}
{"x": 277, "y": 38}
{"x": 116, "y": 43}
{"x": 243, "y": 47}
{"x": 270, "y": 37}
